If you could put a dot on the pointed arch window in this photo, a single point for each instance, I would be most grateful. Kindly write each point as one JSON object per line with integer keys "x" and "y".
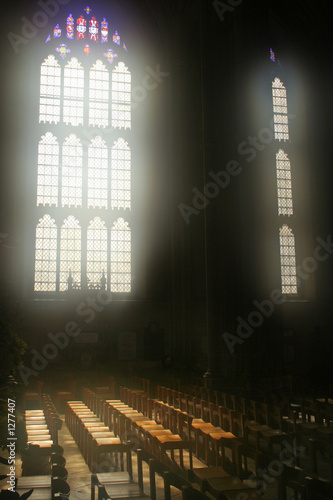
{"x": 50, "y": 91}
{"x": 73, "y": 93}
{"x": 288, "y": 260}
{"x": 99, "y": 95}
{"x": 45, "y": 255}
{"x": 97, "y": 174}
{"x": 96, "y": 252}
{"x": 284, "y": 187}
{"x": 48, "y": 170}
{"x": 121, "y": 175}
{"x": 121, "y": 97}
{"x": 280, "y": 109}
{"x": 120, "y": 256}
{"x": 70, "y": 253}
{"x": 71, "y": 194}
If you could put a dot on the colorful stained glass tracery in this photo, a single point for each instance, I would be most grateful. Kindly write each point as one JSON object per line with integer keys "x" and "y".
{"x": 63, "y": 50}
{"x": 93, "y": 29}
{"x": 110, "y": 55}
{"x": 116, "y": 38}
{"x": 70, "y": 27}
{"x": 57, "y": 31}
{"x": 104, "y": 31}
{"x": 81, "y": 28}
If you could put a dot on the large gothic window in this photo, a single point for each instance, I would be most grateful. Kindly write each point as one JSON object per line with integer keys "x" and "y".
{"x": 83, "y": 177}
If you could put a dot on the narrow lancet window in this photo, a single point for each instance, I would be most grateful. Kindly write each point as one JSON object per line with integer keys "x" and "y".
{"x": 280, "y": 110}
{"x": 50, "y": 88}
{"x": 288, "y": 261}
{"x": 120, "y": 257}
{"x": 284, "y": 187}
{"x": 48, "y": 170}
{"x": 45, "y": 255}
{"x": 121, "y": 97}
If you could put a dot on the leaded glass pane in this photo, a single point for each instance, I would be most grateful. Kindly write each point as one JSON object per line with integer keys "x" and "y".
{"x": 288, "y": 261}
{"x": 281, "y": 128}
{"x": 120, "y": 257}
{"x": 97, "y": 174}
{"x": 45, "y": 255}
{"x": 50, "y": 82}
{"x": 71, "y": 194}
{"x": 73, "y": 93}
{"x": 121, "y": 97}
{"x": 284, "y": 187}
{"x": 48, "y": 170}
{"x": 70, "y": 253}
{"x": 120, "y": 175}
{"x": 99, "y": 95}
{"x": 96, "y": 252}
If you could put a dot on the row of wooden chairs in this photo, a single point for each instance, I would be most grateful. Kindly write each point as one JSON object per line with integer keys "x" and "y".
{"x": 41, "y": 428}
{"x": 94, "y": 437}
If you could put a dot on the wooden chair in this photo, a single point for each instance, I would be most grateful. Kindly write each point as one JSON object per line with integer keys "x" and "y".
{"x": 292, "y": 478}
{"x": 173, "y": 480}
{"x": 65, "y": 395}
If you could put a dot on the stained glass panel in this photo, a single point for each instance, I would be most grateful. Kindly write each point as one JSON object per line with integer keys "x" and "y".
{"x": 120, "y": 175}
{"x": 121, "y": 97}
{"x": 71, "y": 194}
{"x": 48, "y": 170}
{"x": 288, "y": 261}
{"x": 97, "y": 174}
{"x": 120, "y": 257}
{"x": 50, "y": 82}
{"x": 45, "y": 255}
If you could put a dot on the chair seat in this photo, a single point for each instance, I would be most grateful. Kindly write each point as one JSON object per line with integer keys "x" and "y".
{"x": 100, "y": 441}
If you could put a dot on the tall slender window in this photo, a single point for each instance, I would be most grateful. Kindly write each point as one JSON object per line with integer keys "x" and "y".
{"x": 284, "y": 188}
{"x": 70, "y": 253}
{"x": 97, "y": 174}
{"x": 45, "y": 255}
{"x": 50, "y": 87}
{"x": 120, "y": 175}
{"x": 48, "y": 170}
{"x": 288, "y": 260}
{"x": 71, "y": 194}
{"x": 73, "y": 93}
{"x": 121, "y": 97}
{"x": 120, "y": 256}
{"x": 83, "y": 184}
{"x": 96, "y": 252}
{"x": 280, "y": 109}
{"x": 99, "y": 95}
